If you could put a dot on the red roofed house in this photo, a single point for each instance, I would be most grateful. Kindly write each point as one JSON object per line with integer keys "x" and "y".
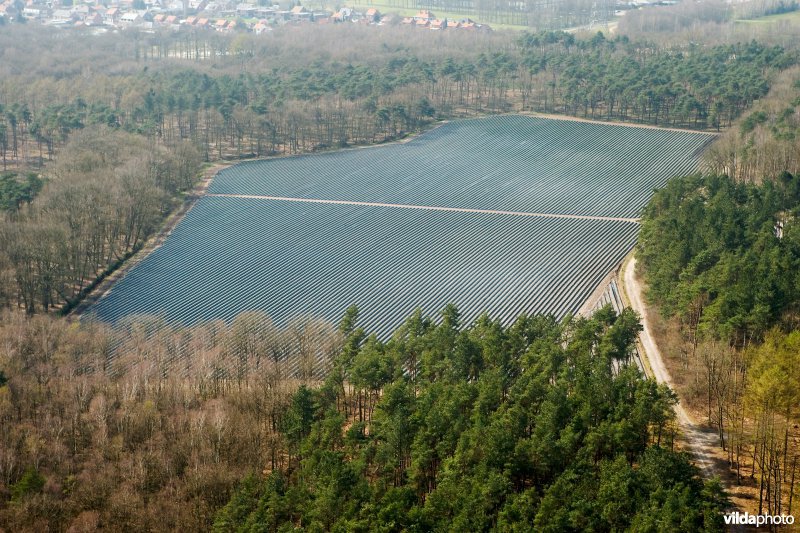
{"x": 112, "y": 16}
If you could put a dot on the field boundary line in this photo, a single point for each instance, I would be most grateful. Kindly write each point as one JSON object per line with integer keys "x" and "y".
{"x": 571, "y": 118}
{"x": 426, "y": 207}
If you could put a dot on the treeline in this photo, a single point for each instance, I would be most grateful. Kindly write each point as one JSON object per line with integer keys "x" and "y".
{"x": 107, "y": 193}
{"x": 764, "y": 141}
{"x": 254, "y": 97}
{"x": 720, "y": 258}
{"x": 143, "y": 428}
{"x": 483, "y": 427}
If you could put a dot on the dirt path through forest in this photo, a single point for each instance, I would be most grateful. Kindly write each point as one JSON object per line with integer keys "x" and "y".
{"x": 702, "y": 442}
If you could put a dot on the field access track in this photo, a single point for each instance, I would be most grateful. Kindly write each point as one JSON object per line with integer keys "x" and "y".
{"x": 434, "y": 208}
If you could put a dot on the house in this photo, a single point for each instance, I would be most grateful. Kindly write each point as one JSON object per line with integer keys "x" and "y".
{"x": 112, "y": 16}
{"x": 372, "y": 15}
{"x": 220, "y": 24}
{"x": 130, "y": 19}
{"x": 81, "y": 10}
{"x": 262, "y": 26}
{"x": 172, "y": 19}
{"x": 63, "y": 16}
{"x": 201, "y": 23}
{"x": 408, "y": 20}
{"x": 422, "y": 23}
{"x": 385, "y": 20}
{"x": 342, "y": 15}
{"x": 452, "y": 24}
{"x": 191, "y": 21}
{"x": 438, "y": 24}
{"x": 424, "y": 14}
{"x": 264, "y": 12}
{"x": 32, "y": 13}
{"x": 160, "y": 18}
{"x": 95, "y": 19}
{"x": 299, "y": 13}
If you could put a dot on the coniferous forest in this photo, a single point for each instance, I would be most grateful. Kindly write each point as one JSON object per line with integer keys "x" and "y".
{"x": 721, "y": 259}
{"x": 482, "y": 429}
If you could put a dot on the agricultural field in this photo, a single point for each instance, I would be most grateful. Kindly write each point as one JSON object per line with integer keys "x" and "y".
{"x": 503, "y": 215}
{"x": 513, "y": 163}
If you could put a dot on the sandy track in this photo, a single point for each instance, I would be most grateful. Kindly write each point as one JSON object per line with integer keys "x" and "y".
{"x": 428, "y": 207}
{"x": 702, "y": 443}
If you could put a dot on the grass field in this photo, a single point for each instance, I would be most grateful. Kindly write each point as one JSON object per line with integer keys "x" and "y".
{"x": 501, "y": 215}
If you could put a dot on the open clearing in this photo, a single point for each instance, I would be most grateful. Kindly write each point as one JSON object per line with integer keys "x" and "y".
{"x": 503, "y": 215}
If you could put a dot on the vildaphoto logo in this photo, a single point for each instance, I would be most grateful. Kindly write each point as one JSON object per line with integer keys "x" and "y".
{"x": 742, "y": 519}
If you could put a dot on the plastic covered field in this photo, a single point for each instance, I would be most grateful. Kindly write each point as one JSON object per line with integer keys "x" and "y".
{"x": 511, "y": 163}
{"x": 231, "y": 255}
{"x": 288, "y": 258}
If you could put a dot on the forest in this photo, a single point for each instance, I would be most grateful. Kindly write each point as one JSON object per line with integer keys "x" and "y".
{"x": 721, "y": 259}
{"x": 241, "y": 96}
{"x": 105, "y": 196}
{"x": 720, "y": 253}
{"x": 444, "y": 425}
